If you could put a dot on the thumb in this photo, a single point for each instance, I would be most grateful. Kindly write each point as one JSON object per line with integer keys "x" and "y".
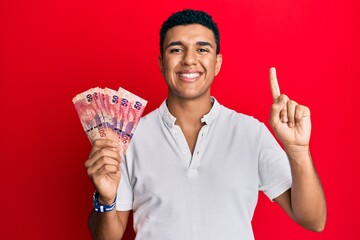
{"x": 276, "y": 109}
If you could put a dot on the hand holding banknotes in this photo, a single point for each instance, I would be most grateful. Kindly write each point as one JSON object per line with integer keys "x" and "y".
{"x": 109, "y": 119}
{"x": 290, "y": 120}
{"x": 103, "y": 168}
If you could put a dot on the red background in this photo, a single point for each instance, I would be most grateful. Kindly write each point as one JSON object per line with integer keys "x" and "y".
{"x": 52, "y": 50}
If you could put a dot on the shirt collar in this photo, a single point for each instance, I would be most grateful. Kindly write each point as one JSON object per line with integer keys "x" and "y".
{"x": 208, "y": 118}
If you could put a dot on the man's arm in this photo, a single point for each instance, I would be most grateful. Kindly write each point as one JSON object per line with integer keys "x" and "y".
{"x": 108, "y": 225}
{"x": 305, "y": 202}
{"x": 104, "y": 170}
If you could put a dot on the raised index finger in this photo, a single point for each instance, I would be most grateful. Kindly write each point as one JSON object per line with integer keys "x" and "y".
{"x": 274, "y": 85}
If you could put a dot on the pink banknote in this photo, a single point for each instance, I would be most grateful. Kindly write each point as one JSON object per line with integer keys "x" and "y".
{"x": 112, "y": 106}
{"x": 106, "y": 113}
{"x": 135, "y": 111}
{"x": 89, "y": 115}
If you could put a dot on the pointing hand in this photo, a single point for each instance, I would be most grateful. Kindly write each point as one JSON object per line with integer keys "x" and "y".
{"x": 289, "y": 120}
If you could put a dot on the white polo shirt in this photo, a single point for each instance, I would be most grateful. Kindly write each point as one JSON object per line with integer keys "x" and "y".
{"x": 210, "y": 194}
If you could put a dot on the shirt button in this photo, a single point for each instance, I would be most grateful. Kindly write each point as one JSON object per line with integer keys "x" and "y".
{"x": 197, "y": 153}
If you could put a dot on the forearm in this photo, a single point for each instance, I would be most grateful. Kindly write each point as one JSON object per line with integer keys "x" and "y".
{"x": 307, "y": 197}
{"x": 106, "y": 225}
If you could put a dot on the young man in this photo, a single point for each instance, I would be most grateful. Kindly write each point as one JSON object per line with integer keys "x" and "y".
{"x": 194, "y": 167}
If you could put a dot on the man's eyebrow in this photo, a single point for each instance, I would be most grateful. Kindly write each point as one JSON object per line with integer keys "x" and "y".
{"x": 203, "y": 43}
{"x": 179, "y": 43}
{"x": 176, "y": 43}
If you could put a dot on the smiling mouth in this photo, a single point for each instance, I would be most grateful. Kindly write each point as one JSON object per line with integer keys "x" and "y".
{"x": 189, "y": 77}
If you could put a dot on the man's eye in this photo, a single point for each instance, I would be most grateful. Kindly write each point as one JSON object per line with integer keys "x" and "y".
{"x": 175, "y": 50}
{"x": 203, "y": 50}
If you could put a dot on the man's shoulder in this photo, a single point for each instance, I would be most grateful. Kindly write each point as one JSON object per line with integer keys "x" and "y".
{"x": 150, "y": 117}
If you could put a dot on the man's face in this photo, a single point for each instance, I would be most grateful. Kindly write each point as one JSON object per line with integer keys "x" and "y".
{"x": 189, "y": 62}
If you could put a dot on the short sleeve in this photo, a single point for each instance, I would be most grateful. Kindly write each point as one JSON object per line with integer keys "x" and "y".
{"x": 125, "y": 195}
{"x": 274, "y": 167}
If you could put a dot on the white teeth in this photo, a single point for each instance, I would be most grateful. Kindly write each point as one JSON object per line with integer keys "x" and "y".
{"x": 189, "y": 75}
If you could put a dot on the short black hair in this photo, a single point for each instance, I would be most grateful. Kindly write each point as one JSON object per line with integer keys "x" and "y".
{"x": 186, "y": 17}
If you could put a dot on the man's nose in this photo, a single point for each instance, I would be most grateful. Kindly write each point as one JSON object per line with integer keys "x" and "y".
{"x": 189, "y": 58}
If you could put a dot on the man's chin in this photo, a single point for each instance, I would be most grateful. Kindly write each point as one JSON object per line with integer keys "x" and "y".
{"x": 192, "y": 96}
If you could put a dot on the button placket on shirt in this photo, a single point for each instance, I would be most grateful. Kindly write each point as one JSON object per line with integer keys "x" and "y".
{"x": 182, "y": 144}
{"x": 195, "y": 162}
{"x": 191, "y": 161}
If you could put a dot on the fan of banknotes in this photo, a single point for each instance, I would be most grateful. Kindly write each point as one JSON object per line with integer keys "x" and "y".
{"x": 106, "y": 113}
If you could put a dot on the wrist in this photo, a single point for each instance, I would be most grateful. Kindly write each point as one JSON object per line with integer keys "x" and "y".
{"x": 298, "y": 155}
{"x": 105, "y": 201}
{"x": 301, "y": 150}
{"x": 100, "y": 206}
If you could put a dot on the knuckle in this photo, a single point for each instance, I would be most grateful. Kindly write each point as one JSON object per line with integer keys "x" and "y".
{"x": 96, "y": 143}
{"x": 300, "y": 108}
{"x": 284, "y": 97}
{"x": 89, "y": 172}
{"x": 102, "y": 160}
{"x": 291, "y": 104}
{"x": 102, "y": 152}
{"x": 118, "y": 156}
{"x": 108, "y": 168}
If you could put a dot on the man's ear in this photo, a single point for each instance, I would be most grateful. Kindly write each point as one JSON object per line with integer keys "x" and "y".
{"x": 160, "y": 60}
{"x": 218, "y": 64}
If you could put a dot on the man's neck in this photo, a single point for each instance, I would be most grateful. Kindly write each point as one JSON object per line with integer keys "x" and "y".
{"x": 189, "y": 111}
{"x": 188, "y": 114}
